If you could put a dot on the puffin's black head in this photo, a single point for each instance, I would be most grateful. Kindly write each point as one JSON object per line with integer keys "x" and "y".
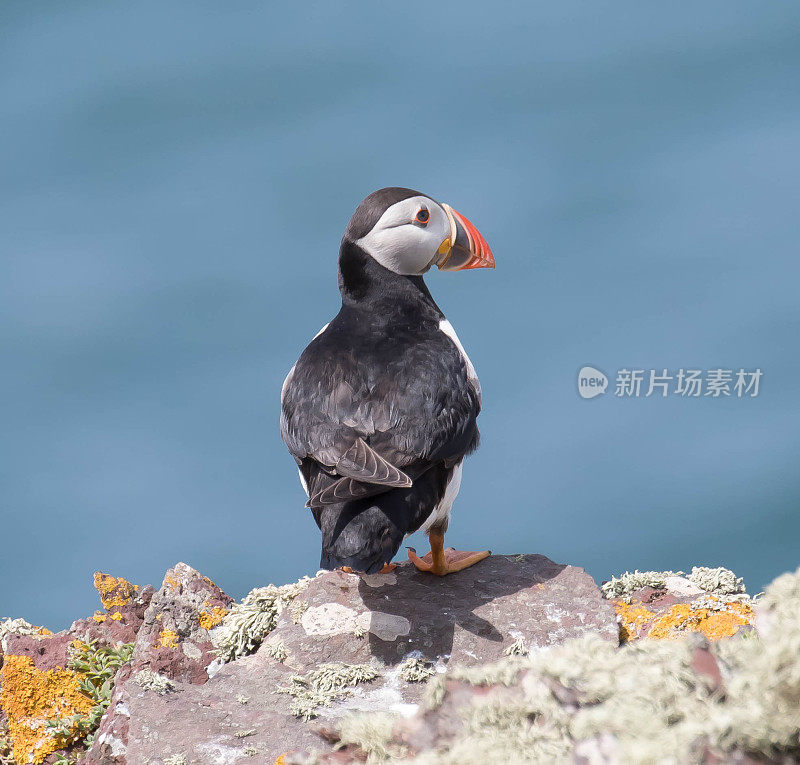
{"x": 408, "y": 232}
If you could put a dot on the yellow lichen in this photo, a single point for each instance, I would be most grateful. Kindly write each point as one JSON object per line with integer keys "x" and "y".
{"x": 713, "y": 624}
{"x": 115, "y": 592}
{"x": 30, "y": 697}
{"x": 168, "y": 639}
{"x": 212, "y": 618}
{"x": 631, "y": 620}
{"x": 171, "y": 581}
{"x": 117, "y": 616}
{"x": 99, "y": 617}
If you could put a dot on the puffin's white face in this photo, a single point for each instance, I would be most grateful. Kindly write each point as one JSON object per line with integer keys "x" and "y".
{"x": 417, "y": 232}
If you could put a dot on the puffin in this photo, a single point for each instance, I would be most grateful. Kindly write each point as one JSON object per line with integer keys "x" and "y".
{"x": 381, "y": 408}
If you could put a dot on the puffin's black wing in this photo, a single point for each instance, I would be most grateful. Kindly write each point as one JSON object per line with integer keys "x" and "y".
{"x": 362, "y": 415}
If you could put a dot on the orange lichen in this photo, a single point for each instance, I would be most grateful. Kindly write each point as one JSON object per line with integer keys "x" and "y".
{"x": 713, "y": 624}
{"x": 30, "y": 697}
{"x": 172, "y": 582}
{"x": 115, "y": 592}
{"x": 636, "y": 621}
{"x": 632, "y": 619}
{"x": 212, "y": 618}
{"x": 281, "y": 760}
{"x": 168, "y": 639}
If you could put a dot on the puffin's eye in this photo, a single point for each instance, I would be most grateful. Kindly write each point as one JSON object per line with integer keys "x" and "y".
{"x": 422, "y": 216}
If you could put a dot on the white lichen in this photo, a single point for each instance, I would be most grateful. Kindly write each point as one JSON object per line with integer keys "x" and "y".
{"x": 175, "y": 759}
{"x": 325, "y": 684}
{"x": 641, "y": 702}
{"x": 624, "y": 585}
{"x": 248, "y": 623}
{"x": 276, "y": 650}
{"x": 153, "y": 681}
{"x": 416, "y": 670}
{"x": 720, "y": 581}
{"x": 371, "y": 732}
{"x": 16, "y": 627}
{"x": 517, "y": 648}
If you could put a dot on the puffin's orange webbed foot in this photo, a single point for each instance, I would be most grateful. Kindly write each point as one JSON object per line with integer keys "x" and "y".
{"x": 442, "y": 562}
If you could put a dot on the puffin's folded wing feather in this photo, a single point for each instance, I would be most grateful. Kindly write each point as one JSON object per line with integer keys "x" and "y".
{"x": 345, "y": 490}
{"x": 362, "y": 463}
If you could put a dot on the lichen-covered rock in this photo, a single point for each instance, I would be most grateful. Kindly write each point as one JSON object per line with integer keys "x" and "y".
{"x": 174, "y": 638}
{"x": 666, "y": 604}
{"x": 341, "y": 642}
{"x": 45, "y": 705}
{"x": 31, "y": 695}
{"x": 124, "y": 605}
{"x": 735, "y": 700}
{"x": 516, "y": 659}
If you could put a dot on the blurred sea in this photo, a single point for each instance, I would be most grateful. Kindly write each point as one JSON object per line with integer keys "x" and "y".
{"x": 174, "y": 182}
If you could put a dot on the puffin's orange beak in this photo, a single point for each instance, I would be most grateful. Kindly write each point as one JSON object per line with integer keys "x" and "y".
{"x": 465, "y": 247}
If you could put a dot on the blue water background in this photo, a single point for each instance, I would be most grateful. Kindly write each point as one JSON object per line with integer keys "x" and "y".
{"x": 174, "y": 182}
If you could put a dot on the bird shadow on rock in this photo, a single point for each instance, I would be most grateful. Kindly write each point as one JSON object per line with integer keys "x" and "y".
{"x": 429, "y": 608}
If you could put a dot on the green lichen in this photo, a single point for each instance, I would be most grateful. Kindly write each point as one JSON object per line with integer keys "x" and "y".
{"x": 415, "y": 670}
{"x": 325, "y": 684}
{"x": 249, "y": 622}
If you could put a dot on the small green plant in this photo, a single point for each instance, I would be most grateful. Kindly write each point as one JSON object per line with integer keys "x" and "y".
{"x": 98, "y": 665}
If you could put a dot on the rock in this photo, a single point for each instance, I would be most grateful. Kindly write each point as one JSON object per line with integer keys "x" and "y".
{"x": 513, "y": 660}
{"x": 342, "y": 626}
{"x": 174, "y": 638}
{"x": 173, "y": 641}
{"x": 666, "y": 613}
{"x": 124, "y": 607}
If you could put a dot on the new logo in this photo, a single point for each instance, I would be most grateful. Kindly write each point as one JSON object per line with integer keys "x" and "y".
{"x": 591, "y": 382}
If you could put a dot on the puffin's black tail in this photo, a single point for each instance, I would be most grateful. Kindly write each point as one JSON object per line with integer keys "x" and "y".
{"x": 364, "y": 534}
